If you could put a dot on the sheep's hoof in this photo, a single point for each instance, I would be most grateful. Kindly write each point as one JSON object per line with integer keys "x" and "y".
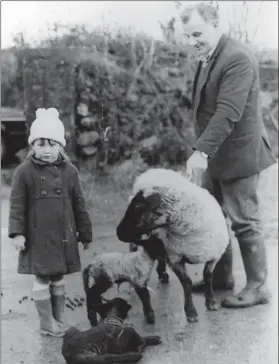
{"x": 150, "y": 317}
{"x": 192, "y": 315}
{"x": 192, "y": 319}
{"x": 211, "y": 306}
{"x": 164, "y": 278}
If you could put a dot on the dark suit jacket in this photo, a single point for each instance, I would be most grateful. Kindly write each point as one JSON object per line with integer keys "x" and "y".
{"x": 227, "y": 113}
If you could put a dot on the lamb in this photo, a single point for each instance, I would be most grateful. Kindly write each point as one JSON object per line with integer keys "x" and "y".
{"x": 160, "y": 269}
{"x": 186, "y": 218}
{"x": 114, "y": 267}
{"x": 110, "y": 342}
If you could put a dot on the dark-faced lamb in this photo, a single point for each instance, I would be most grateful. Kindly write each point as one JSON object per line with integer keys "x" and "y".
{"x": 115, "y": 268}
{"x": 109, "y": 342}
{"x": 186, "y": 218}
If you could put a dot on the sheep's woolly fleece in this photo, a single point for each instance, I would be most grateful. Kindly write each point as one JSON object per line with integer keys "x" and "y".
{"x": 196, "y": 225}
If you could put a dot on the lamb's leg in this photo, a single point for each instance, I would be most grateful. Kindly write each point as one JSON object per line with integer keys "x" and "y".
{"x": 90, "y": 358}
{"x": 144, "y": 296}
{"x": 209, "y": 294}
{"x": 128, "y": 358}
{"x": 161, "y": 271}
{"x": 93, "y": 297}
{"x": 138, "y": 342}
{"x": 151, "y": 340}
{"x": 180, "y": 270}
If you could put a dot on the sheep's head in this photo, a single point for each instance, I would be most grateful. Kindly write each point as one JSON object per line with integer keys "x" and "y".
{"x": 144, "y": 214}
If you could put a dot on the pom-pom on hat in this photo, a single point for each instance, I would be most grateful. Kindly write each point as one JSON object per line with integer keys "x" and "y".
{"x": 47, "y": 125}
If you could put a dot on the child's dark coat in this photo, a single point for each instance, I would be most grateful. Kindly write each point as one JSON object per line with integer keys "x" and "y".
{"x": 47, "y": 207}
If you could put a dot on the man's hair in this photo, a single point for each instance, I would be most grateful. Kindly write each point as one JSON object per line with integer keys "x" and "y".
{"x": 207, "y": 11}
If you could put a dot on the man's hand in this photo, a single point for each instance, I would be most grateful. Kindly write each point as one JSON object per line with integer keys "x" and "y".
{"x": 19, "y": 242}
{"x": 196, "y": 165}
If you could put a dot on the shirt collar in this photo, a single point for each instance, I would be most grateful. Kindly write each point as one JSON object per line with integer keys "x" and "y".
{"x": 206, "y": 59}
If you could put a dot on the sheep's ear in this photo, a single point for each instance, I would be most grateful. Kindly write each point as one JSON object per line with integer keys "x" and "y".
{"x": 154, "y": 200}
{"x": 142, "y": 242}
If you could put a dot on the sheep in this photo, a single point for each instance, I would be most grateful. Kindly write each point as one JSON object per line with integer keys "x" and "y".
{"x": 114, "y": 267}
{"x": 186, "y": 218}
{"x": 110, "y": 342}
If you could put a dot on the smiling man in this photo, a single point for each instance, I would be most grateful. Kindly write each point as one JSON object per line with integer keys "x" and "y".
{"x": 232, "y": 145}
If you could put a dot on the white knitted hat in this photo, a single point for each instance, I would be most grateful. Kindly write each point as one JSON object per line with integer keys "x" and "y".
{"x": 47, "y": 125}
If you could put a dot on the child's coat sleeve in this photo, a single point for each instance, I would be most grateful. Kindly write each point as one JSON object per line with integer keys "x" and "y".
{"x": 83, "y": 222}
{"x": 18, "y": 200}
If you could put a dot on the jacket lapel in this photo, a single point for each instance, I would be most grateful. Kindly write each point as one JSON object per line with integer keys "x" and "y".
{"x": 195, "y": 82}
{"x": 200, "y": 85}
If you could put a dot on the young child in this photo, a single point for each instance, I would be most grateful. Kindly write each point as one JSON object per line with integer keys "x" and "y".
{"x": 47, "y": 211}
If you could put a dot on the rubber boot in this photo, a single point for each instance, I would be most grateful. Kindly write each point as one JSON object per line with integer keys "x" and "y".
{"x": 255, "y": 292}
{"x": 57, "y": 292}
{"x": 48, "y": 325}
{"x": 223, "y": 279}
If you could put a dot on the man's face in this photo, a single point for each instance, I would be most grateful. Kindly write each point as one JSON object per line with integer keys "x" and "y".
{"x": 201, "y": 34}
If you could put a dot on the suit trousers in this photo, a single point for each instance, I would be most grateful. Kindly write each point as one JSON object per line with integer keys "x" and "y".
{"x": 240, "y": 202}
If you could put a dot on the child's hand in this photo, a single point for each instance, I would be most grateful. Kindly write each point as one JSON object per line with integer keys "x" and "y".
{"x": 19, "y": 242}
{"x": 86, "y": 246}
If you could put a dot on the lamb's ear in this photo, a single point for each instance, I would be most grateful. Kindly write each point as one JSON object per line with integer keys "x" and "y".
{"x": 103, "y": 308}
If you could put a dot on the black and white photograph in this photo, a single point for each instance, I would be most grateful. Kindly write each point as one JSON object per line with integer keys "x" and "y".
{"x": 139, "y": 182}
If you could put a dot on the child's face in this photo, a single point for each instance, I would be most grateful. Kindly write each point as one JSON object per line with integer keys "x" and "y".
{"x": 46, "y": 149}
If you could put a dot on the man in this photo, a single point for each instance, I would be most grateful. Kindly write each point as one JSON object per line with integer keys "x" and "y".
{"x": 232, "y": 145}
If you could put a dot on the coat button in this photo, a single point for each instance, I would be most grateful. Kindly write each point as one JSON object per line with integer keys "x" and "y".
{"x": 58, "y": 191}
{"x": 43, "y": 193}
{"x": 43, "y": 178}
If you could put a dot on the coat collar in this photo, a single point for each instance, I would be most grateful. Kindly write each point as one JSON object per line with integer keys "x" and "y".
{"x": 220, "y": 45}
{"x": 58, "y": 162}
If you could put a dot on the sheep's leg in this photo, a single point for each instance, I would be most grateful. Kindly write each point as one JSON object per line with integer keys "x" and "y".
{"x": 180, "y": 270}
{"x": 210, "y": 302}
{"x": 144, "y": 297}
{"x": 161, "y": 271}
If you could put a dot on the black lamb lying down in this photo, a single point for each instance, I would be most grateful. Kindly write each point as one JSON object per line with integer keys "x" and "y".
{"x": 114, "y": 267}
{"x": 109, "y": 342}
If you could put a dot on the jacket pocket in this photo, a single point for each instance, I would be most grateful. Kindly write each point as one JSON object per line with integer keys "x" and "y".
{"x": 267, "y": 143}
{"x": 241, "y": 141}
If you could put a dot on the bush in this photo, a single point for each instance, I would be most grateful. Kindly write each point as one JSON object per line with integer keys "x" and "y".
{"x": 138, "y": 87}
